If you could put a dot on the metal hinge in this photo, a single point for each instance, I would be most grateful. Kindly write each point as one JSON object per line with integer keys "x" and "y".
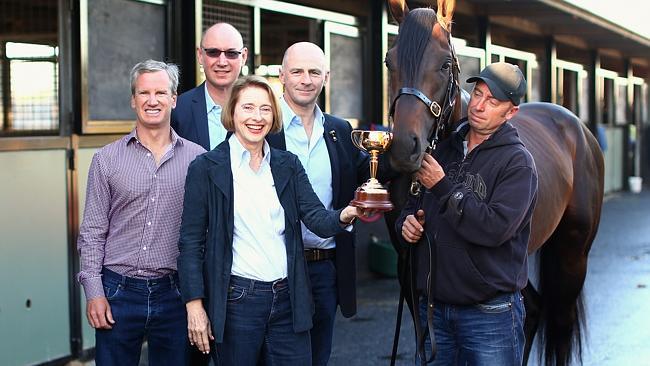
{"x": 71, "y": 159}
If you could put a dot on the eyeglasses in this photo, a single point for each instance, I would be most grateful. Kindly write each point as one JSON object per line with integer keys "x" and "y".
{"x": 215, "y": 53}
{"x": 265, "y": 110}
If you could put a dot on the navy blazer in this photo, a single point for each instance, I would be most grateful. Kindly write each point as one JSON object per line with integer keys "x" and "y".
{"x": 190, "y": 117}
{"x": 350, "y": 168}
{"x": 206, "y": 234}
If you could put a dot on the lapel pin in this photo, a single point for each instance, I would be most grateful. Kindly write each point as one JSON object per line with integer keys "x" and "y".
{"x": 333, "y": 134}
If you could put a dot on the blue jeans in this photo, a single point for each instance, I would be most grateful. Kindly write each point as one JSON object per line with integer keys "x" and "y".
{"x": 259, "y": 323}
{"x": 322, "y": 275}
{"x": 150, "y": 309}
{"x": 489, "y": 333}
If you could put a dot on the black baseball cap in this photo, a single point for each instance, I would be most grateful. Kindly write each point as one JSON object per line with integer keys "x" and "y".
{"x": 505, "y": 81}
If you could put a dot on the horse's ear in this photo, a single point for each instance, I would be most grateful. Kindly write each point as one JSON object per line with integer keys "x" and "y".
{"x": 398, "y": 9}
{"x": 445, "y": 13}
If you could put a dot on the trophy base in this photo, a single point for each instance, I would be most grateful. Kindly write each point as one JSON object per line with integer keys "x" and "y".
{"x": 375, "y": 199}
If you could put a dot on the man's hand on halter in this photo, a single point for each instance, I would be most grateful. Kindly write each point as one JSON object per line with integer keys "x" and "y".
{"x": 430, "y": 172}
{"x": 413, "y": 227}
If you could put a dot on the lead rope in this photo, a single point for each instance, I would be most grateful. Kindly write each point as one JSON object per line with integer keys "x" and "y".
{"x": 415, "y": 190}
{"x": 398, "y": 326}
{"x": 431, "y": 277}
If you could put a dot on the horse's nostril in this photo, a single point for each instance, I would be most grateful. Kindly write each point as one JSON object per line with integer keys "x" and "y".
{"x": 416, "y": 147}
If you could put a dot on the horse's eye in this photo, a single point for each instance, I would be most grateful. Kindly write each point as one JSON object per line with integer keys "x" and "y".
{"x": 387, "y": 63}
{"x": 446, "y": 65}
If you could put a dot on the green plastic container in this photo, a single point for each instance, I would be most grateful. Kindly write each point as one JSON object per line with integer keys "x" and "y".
{"x": 382, "y": 258}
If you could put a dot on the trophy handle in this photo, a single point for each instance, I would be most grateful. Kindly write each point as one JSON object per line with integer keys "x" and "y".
{"x": 357, "y": 139}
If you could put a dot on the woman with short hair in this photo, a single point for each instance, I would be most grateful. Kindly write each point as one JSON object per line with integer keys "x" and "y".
{"x": 241, "y": 265}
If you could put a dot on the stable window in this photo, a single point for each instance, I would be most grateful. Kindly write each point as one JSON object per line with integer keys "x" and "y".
{"x": 607, "y": 100}
{"x": 567, "y": 89}
{"x": 571, "y": 88}
{"x": 269, "y": 27}
{"x": 278, "y": 32}
{"x": 613, "y": 97}
{"x": 33, "y": 92}
{"x": 471, "y": 60}
{"x": 639, "y": 101}
{"x": 29, "y": 69}
{"x": 239, "y": 16}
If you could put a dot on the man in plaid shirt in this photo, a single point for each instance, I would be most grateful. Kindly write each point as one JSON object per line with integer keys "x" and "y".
{"x": 128, "y": 241}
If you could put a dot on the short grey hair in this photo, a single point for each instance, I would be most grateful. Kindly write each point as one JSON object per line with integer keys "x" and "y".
{"x": 155, "y": 66}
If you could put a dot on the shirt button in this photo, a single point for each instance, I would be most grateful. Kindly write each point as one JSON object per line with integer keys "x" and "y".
{"x": 148, "y": 154}
{"x": 154, "y": 176}
{"x": 144, "y": 248}
{"x": 149, "y": 223}
{"x": 139, "y": 271}
{"x": 153, "y": 199}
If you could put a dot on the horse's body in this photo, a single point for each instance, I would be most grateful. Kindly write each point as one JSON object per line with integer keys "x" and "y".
{"x": 570, "y": 172}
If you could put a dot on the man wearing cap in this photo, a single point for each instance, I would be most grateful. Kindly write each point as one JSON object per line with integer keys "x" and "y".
{"x": 481, "y": 189}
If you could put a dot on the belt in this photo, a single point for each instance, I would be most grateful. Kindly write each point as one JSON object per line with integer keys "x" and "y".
{"x": 255, "y": 285}
{"x": 314, "y": 255}
{"x": 140, "y": 282}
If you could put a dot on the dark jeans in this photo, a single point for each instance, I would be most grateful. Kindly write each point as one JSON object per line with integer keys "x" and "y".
{"x": 259, "y": 323}
{"x": 150, "y": 309}
{"x": 485, "y": 334}
{"x": 322, "y": 275}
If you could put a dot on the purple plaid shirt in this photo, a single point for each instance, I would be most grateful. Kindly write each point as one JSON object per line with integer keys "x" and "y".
{"x": 133, "y": 211}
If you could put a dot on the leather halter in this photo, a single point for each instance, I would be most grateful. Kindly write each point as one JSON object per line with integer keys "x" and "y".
{"x": 442, "y": 115}
{"x": 434, "y": 107}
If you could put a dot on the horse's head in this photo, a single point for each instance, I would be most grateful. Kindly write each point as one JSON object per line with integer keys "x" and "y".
{"x": 423, "y": 86}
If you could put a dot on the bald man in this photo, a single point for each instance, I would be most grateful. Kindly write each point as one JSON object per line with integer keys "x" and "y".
{"x": 197, "y": 116}
{"x": 335, "y": 169}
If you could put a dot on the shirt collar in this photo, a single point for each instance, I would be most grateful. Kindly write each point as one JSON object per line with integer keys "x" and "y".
{"x": 239, "y": 154}
{"x": 175, "y": 138}
{"x": 289, "y": 117}
{"x": 209, "y": 103}
{"x": 133, "y": 136}
{"x": 130, "y": 137}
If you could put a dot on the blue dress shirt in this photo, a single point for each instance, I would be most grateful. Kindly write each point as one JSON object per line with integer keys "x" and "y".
{"x": 315, "y": 158}
{"x": 215, "y": 129}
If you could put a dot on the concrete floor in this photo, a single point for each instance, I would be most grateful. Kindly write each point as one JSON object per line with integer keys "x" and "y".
{"x": 617, "y": 289}
{"x": 617, "y": 294}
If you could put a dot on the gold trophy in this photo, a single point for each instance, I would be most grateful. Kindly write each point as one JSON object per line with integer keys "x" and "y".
{"x": 372, "y": 195}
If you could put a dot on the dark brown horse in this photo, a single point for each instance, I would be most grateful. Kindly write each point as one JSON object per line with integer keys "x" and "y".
{"x": 423, "y": 68}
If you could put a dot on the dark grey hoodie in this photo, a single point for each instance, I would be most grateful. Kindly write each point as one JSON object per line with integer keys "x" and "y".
{"x": 478, "y": 217}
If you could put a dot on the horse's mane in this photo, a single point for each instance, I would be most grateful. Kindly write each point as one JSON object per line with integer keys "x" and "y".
{"x": 416, "y": 32}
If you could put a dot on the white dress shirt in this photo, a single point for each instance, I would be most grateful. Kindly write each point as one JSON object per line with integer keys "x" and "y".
{"x": 259, "y": 250}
